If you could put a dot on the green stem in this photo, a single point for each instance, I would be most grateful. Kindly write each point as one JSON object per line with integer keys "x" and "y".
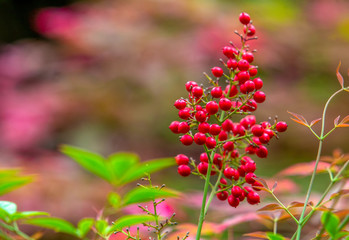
{"x": 310, "y": 188}
{"x": 285, "y": 208}
{"x": 213, "y": 192}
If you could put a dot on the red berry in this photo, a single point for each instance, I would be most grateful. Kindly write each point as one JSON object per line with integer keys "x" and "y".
{"x": 204, "y": 127}
{"x": 269, "y": 132}
{"x": 243, "y": 89}
{"x": 251, "y": 30}
{"x": 256, "y": 186}
{"x": 211, "y": 142}
{"x": 281, "y": 126}
{"x": 225, "y": 104}
{"x": 266, "y": 125}
{"x": 223, "y": 181}
{"x": 197, "y": 91}
{"x": 228, "y": 146}
{"x": 259, "y": 96}
{"x": 250, "y": 167}
{"x": 184, "y": 170}
{"x": 186, "y": 140}
{"x": 262, "y": 152}
{"x": 217, "y": 71}
{"x": 202, "y": 168}
{"x": 248, "y": 56}
{"x": 250, "y": 149}
{"x": 235, "y": 154}
{"x": 212, "y": 107}
{"x": 232, "y": 63}
{"x": 200, "y": 116}
{"x": 174, "y": 126}
{"x": 236, "y": 191}
{"x": 222, "y": 195}
{"x": 204, "y": 157}
{"x": 215, "y": 129}
{"x": 227, "y": 125}
{"x": 189, "y": 85}
{"x": 264, "y": 138}
{"x": 229, "y": 51}
{"x": 180, "y": 104}
{"x": 258, "y": 83}
{"x": 244, "y": 18}
{"x": 183, "y": 127}
{"x": 250, "y": 178}
{"x": 182, "y": 159}
{"x": 228, "y": 172}
{"x": 243, "y": 76}
{"x": 253, "y": 198}
{"x": 222, "y": 136}
{"x": 233, "y": 90}
{"x": 233, "y": 201}
{"x": 216, "y": 92}
{"x": 257, "y": 130}
{"x": 241, "y": 171}
{"x": 200, "y": 138}
{"x": 184, "y": 113}
{"x": 247, "y": 189}
{"x": 249, "y": 85}
{"x": 243, "y": 65}
{"x": 251, "y": 105}
{"x": 253, "y": 71}
{"x": 239, "y": 130}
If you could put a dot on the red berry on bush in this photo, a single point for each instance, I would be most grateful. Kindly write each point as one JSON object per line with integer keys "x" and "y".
{"x": 250, "y": 178}
{"x": 228, "y": 146}
{"x": 239, "y": 130}
{"x": 184, "y": 113}
{"x": 184, "y": 170}
{"x": 243, "y": 65}
{"x": 253, "y": 198}
{"x": 244, "y": 18}
{"x": 174, "y": 126}
{"x": 248, "y": 56}
{"x": 249, "y": 86}
{"x": 262, "y": 152}
{"x": 223, "y": 195}
{"x": 251, "y": 30}
{"x": 197, "y": 91}
{"x": 225, "y": 104}
{"x": 253, "y": 71}
{"x": 243, "y": 76}
{"x": 217, "y": 71}
{"x": 258, "y": 83}
{"x": 241, "y": 171}
{"x": 204, "y": 127}
{"x": 216, "y": 92}
{"x": 212, "y": 107}
{"x": 232, "y": 91}
{"x": 233, "y": 201}
{"x": 202, "y": 168}
{"x": 259, "y": 96}
{"x": 204, "y": 157}
{"x": 236, "y": 191}
{"x": 189, "y": 85}
{"x": 281, "y": 126}
{"x": 186, "y": 140}
{"x": 264, "y": 138}
{"x": 183, "y": 127}
{"x": 180, "y": 104}
{"x": 250, "y": 167}
{"x": 200, "y": 116}
{"x": 266, "y": 125}
{"x": 269, "y": 132}
{"x": 200, "y": 138}
{"x": 215, "y": 129}
{"x": 257, "y": 130}
{"x": 222, "y": 136}
{"x": 232, "y": 63}
{"x": 256, "y": 186}
{"x": 182, "y": 159}
{"x": 211, "y": 142}
{"x": 229, "y": 51}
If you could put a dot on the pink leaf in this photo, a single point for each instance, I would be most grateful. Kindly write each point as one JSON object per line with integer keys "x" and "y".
{"x": 304, "y": 169}
{"x": 339, "y": 76}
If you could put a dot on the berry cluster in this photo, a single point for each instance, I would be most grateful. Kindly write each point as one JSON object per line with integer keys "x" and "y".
{"x": 209, "y": 119}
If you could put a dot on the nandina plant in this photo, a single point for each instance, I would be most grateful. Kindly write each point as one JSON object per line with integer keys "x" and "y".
{"x": 219, "y": 117}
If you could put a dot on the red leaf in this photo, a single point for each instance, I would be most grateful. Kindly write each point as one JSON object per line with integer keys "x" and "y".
{"x": 262, "y": 235}
{"x": 345, "y": 119}
{"x": 296, "y": 204}
{"x": 298, "y": 119}
{"x": 314, "y": 122}
{"x": 339, "y": 76}
{"x": 343, "y": 125}
{"x": 339, "y": 193}
{"x": 237, "y": 219}
{"x": 304, "y": 169}
{"x": 270, "y": 207}
{"x": 336, "y": 121}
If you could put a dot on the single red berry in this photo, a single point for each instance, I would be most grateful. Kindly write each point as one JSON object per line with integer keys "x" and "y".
{"x": 262, "y": 152}
{"x": 202, "y": 168}
{"x": 234, "y": 154}
{"x": 233, "y": 201}
{"x": 243, "y": 76}
{"x": 229, "y": 51}
{"x": 200, "y": 138}
{"x": 223, "y": 181}
{"x": 182, "y": 159}
{"x": 216, "y": 92}
{"x": 217, "y": 159}
{"x": 217, "y": 71}
{"x": 227, "y": 125}
{"x": 180, "y": 104}
{"x": 246, "y": 159}
{"x": 258, "y": 83}
{"x": 243, "y": 65}
{"x": 211, "y": 142}
{"x": 250, "y": 149}
{"x": 253, "y": 198}
{"x": 228, "y": 146}
{"x": 259, "y": 96}
{"x": 239, "y": 130}
{"x": 215, "y": 129}
{"x": 257, "y": 130}
{"x": 264, "y": 138}
{"x": 204, "y": 157}
{"x": 251, "y": 30}
{"x": 251, "y": 106}
{"x": 222, "y": 136}
{"x": 253, "y": 72}
{"x": 225, "y": 104}
{"x": 228, "y": 172}
{"x": 184, "y": 113}
{"x": 236, "y": 191}
{"x": 174, "y": 126}
{"x": 281, "y": 126}
{"x": 204, "y": 127}
{"x": 241, "y": 171}
{"x": 269, "y": 132}
{"x": 184, "y": 170}
{"x": 183, "y": 127}
{"x": 212, "y": 107}
{"x": 200, "y": 116}
{"x": 232, "y": 91}
{"x": 266, "y": 125}
{"x": 186, "y": 140}
{"x": 247, "y": 189}
{"x": 249, "y": 85}
{"x": 197, "y": 91}
{"x": 243, "y": 89}
{"x": 250, "y": 167}
{"x": 223, "y": 195}
{"x": 232, "y": 63}
{"x": 244, "y": 18}
{"x": 189, "y": 85}
{"x": 250, "y": 178}
{"x": 256, "y": 140}
{"x": 248, "y": 56}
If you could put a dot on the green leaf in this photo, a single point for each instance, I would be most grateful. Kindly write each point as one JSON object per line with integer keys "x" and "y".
{"x": 92, "y": 162}
{"x": 129, "y": 220}
{"x": 28, "y": 214}
{"x": 9, "y": 185}
{"x": 84, "y": 226}
{"x": 120, "y": 163}
{"x": 101, "y": 226}
{"x": 275, "y": 236}
{"x": 114, "y": 199}
{"x": 341, "y": 234}
{"x": 330, "y": 222}
{"x": 9, "y": 207}
{"x": 140, "y": 194}
{"x": 147, "y": 167}
{"x": 56, "y": 224}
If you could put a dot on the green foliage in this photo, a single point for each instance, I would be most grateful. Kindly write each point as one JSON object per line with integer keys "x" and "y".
{"x": 331, "y": 224}
{"x": 130, "y": 220}
{"x": 274, "y": 236}
{"x": 84, "y": 226}
{"x": 11, "y": 180}
{"x": 56, "y": 224}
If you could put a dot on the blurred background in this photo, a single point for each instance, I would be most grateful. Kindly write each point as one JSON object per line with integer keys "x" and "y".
{"x": 103, "y": 75}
